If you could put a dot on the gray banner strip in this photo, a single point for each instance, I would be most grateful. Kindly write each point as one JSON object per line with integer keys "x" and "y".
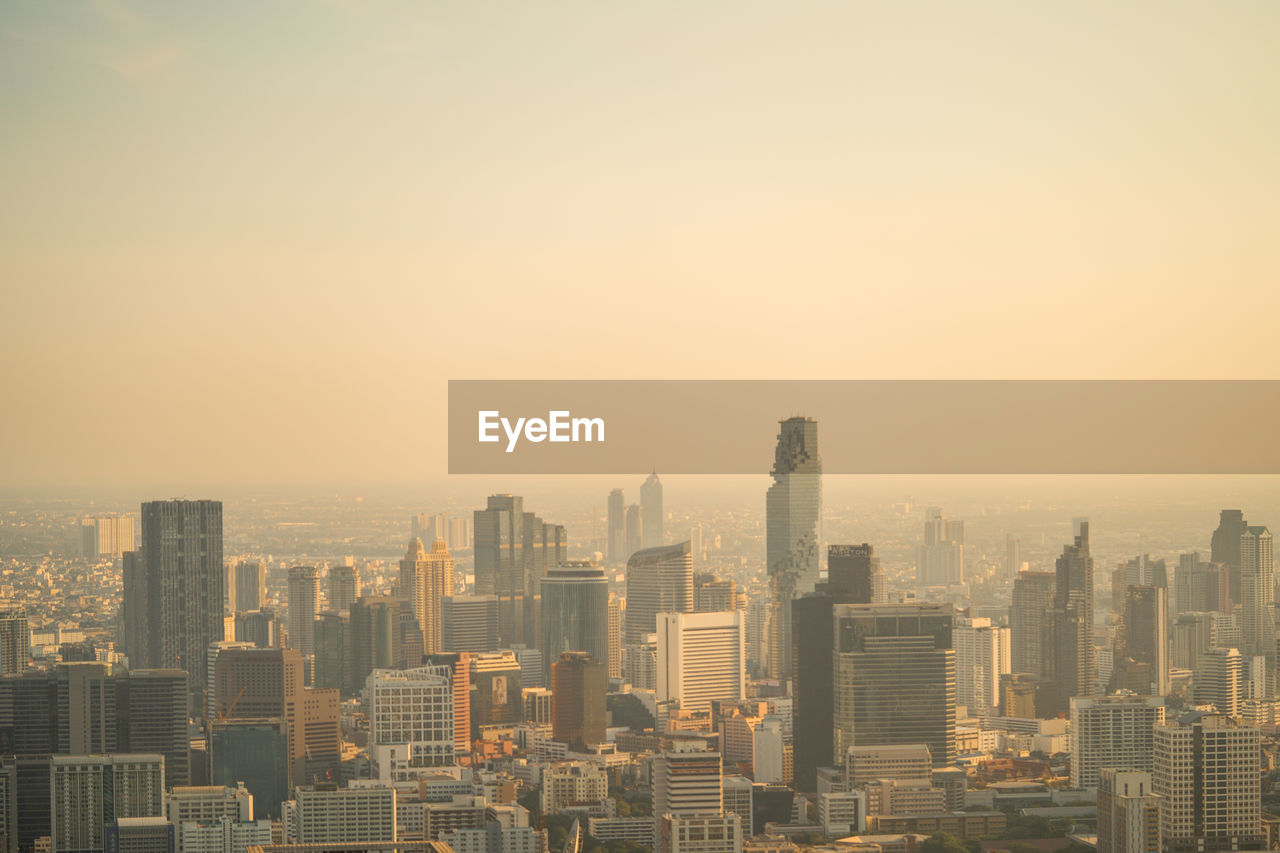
{"x": 866, "y": 426}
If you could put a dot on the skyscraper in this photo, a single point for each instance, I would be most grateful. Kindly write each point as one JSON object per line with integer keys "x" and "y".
{"x": 1208, "y": 775}
{"x": 685, "y": 781}
{"x": 250, "y": 586}
{"x": 106, "y": 535}
{"x": 1199, "y": 586}
{"x": 895, "y": 677}
{"x": 616, "y": 526}
{"x": 1224, "y": 547}
{"x": 88, "y": 792}
{"x": 793, "y": 530}
{"x": 575, "y": 612}
{"x": 384, "y": 635}
{"x": 1257, "y": 593}
{"x": 1012, "y": 556}
{"x": 659, "y": 580}
{"x": 344, "y": 586}
{"x": 304, "y": 603}
{"x": 853, "y": 577}
{"x": 254, "y": 751}
{"x": 982, "y": 656}
{"x": 651, "y": 514}
{"x": 578, "y": 684}
{"x": 178, "y": 592}
{"x": 1141, "y": 662}
{"x": 615, "y": 636}
{"x": 633, "y": 529}
{"x": 15, "y": 641}
{"x": 410, "y": 720}
{"x": 941, "y": 559}
{"x": 513, "y": 550}
{"x": 1073, "y": 658}
{"x": 855, "y": 570}
{"x": 425, "y": 579}
{"x": 1219, "y": 680}
{"x": 701, "y": 658}
{"x": 1033, "y": 594}
{"x": 470, "y": 623}
{"x": 1111, "y": 731}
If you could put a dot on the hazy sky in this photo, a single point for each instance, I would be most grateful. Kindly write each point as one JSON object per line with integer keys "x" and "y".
{"x": 252, "y": 241}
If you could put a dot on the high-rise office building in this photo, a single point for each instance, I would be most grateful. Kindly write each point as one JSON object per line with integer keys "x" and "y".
{"x": 333, "y": 663}
{"x": 260, "y": 627}
{"x": 1033, "y": 594}
{"x": 685, "y": 780}
{"x": 496, "y": 699}
{"x": 615, "y": 636}
{"x": 793, "y": 531}
{"x": 1219, "y": 680}
{"x": 1141, "y": 662}
{"x": 941, "y": 556}
{"x": 1111, "y": 731}
{"x": 250, "y": 586}
{"x": 895, "y": 677}
{"x": 1224, "y": 548}
{"x": 513, "y": 550}
{"x": 633, "y": 530}
{"x": 470, "y": 623}
{"x": 1200, "y": 586}
{"x": 575, "y": 612}
{"x": 982, "y": 656}
{"x": 1208, "y": 775}
{"x": 651, "y": 514}
{"x": 344, "y": 586}
{"x": 88, "y": 792}
{"x": 701, "y": 658}
{"x": 1012, "y": 556}
{"x": 855, "y": 569}
{"x": 457, "y": 666}
{"x": 152, "y": 708}
{"x": 853, "y": 577}
{"x": 711, "y": 594}
{"x": 177, "y": 587}
{"x": 1128, "y": 812}
{"x": 268, "y": 683}
{"x": 410, "y": 720}
{"x": 15, "y": 640}
{"x": 1257, "y": 593}
{"x": 425, "y": 579}
{"x": 578, "y": 685}
{"x": 1074, "y": 661}
{"x": 107, "y": 535}
{"x": 304, "y": 604}
{"x": 384, "y": 635}
{"x": 616, "y": 527}
{"x": 326, "y": 814}
{"x": 659, "y": 580}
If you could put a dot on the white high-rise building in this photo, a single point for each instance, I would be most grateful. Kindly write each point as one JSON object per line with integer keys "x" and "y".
{"x": 685, "y": 781}
{"x": 410, "y": 720}
{"x": 87, "y": 792}
{"x": 304, "y": 603}
{"x": 701, "y": 657}
{"x": 223, "y": 836}
{"x": 341, "y": 815}
{"x": 982, "y": 656}
{"x": 1207, "y": 772}
{"x": 1257, "y": 593}
{"x": 1219, "y": 680}
{"x": 567, "y": 783}
{"x": 1111, "y": 731}
{"x": 107, "y": 536}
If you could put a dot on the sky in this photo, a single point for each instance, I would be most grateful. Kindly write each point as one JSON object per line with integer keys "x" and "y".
{"x": 248, "y": 242}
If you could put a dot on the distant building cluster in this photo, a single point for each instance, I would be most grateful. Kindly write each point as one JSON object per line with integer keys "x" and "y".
{"x": 505, "y": 685}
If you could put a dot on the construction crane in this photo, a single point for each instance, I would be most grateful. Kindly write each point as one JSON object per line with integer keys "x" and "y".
{"x": 222, "y": 718}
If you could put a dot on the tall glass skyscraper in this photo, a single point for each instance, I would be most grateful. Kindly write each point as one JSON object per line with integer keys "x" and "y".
{"x": 652, "y": 518}
{"x": 575, "y": 612}
{"x": 793, "y": 530}
{"x": 659, "y": 580}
